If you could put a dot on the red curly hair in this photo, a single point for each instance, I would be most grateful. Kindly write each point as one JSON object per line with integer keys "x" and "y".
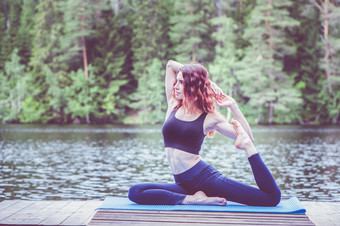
{"x": 197, "y": 90}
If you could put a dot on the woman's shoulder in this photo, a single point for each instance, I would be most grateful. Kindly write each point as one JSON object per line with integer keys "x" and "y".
{"x": 215, "y": 114}
{"x": 214, "y": 117}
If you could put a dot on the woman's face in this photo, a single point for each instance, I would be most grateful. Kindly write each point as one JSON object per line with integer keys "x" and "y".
{"x": 179, "y": 88}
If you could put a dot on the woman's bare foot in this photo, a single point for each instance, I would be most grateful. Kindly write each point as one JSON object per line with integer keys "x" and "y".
{"x": 200, "y": 198}
{"x": 243, "y": 141}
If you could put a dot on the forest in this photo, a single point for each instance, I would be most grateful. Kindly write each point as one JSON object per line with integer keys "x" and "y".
{"x": 103, "y": 61}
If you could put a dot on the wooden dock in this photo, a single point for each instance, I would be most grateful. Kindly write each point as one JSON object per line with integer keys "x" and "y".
{"x": 21, "y": 212}
{"x": 193, "y": 218}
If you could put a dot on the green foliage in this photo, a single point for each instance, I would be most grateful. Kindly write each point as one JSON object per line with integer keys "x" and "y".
{"x": 77, "y": 26}
{"x": 191, "y": 31}
{"x": 82, "y": 102}
{"x": 24, "y": 37}
{"x": 13, "y": 89}
{"x": 110, "y": 56}
{"x": 304, "y": 64}
{"x": 33, "y": 111}
{"x": 151, "y": 94}
{"x": 150, "y": 45}
{"x": 5, "y": 44}
{"x": 260, "y": 72}
{"x": 278, "y": 59}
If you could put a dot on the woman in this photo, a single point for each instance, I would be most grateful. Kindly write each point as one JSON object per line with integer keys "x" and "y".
{"x": 190, "y": 117}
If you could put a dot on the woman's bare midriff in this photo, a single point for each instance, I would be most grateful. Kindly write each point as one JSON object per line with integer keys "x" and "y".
{"x": 180, "y": 161}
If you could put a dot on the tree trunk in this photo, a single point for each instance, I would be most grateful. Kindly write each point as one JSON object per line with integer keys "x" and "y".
{"x": 259, "y": 117}
{"x": 193, "y": 57}
{"x": 88, "y": 118}
{"x": 335, "y": 119}
{"x": 326, "y": 47}
{"x": 84, "y": 52}
{"x": 270, "y": 30}
{"x": 271, "y": 75}
{"x": 271, "y": 112}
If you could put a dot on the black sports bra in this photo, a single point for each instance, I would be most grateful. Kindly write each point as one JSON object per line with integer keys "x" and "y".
{"x": 184, "y": 135}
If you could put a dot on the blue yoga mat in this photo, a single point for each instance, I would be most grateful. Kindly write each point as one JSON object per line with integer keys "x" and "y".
{"x": 290, "y": 206}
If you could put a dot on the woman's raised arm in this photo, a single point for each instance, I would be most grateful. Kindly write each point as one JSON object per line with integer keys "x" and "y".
{"x": 172, "y": 68}
{"x": 225, "y": 101}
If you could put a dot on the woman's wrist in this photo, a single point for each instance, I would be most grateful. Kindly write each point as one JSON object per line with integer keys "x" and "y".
{"x": 234, "y": 107}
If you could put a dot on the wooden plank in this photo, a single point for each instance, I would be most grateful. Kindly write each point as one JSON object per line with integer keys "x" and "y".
{"x": 61, "y": 214}
{"x": 125, "y": 223}
{"x": 323, "y": 213}
{"x": 48, "y": 210}
{"x": 92, "y": 210}
{"x": 201, "y": 214}
{"x": 23, "y": 215}
{"x": 107, "y": 222}
{"x": 132, "y": 223}
{"x": 16, "y": 207}
{"x": 7, "y": 203}
{"x": 196, "y": 219}
{"x": 208, "y": 218}
{"x": 83, "y": 215}
{"x": 20, "y": 212}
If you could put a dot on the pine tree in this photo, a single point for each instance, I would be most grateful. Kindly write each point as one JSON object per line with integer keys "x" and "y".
{"x": 5, "y": 44}
{"x": 261, "y": 73}
{"x": 191, "y": 31}
{"x": 77, "y": 27}
{"x": 330, "y": 94}
{"x": 24, "y": 37}
{"x": 14, "y": 21}
{"x": 304, "y": 64}
{"x": 48, "y": 24}
{"x": 110, "y": 54}
{"x": 150, "y": 46}
{"x": 81, "y": 96}
{"x": 222, "y": 68}
{"x": 13, "y": 89}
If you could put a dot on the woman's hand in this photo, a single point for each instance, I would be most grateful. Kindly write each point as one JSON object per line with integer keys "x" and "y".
{"x": 225, "y": 101}
{"x": 217, "y": 90}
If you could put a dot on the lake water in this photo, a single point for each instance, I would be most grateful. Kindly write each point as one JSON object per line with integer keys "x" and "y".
{"x": 91, "y": 162}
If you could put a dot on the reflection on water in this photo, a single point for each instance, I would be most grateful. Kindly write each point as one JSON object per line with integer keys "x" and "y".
{"x": 92, "y": 162}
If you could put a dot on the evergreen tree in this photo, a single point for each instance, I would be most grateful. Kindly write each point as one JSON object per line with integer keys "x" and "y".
{"x": 81, "y": 96}
{"x": 191, "y": 31}
{"x": 222, "y": 68}
{"x": 110, "y": 55}
{"x": 77, "y": 27}
{"x": 48, "y": 24}
{"x": 229, "y": 24}
{"x": 260, "y": 72}
{"x": 14, "y": 22}
{"x": 304, "y": 64}
{"x": 13, "y": 89}
{"x": 24, "y": 37}
{"x": 5, "y": 44}
{"x": 330, "y": 94}
{"x": 150, "y": 46}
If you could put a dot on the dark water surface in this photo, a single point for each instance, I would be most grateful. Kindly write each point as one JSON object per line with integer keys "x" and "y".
{"x": 91, "y": 162}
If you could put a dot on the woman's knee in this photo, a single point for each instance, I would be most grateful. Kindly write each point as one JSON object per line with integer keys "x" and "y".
{"x": 135, "y": 192}
{"x": 276, "y": 198}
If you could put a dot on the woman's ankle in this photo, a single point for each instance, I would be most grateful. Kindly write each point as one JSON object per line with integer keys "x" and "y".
{"x": 250, "y": 150}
